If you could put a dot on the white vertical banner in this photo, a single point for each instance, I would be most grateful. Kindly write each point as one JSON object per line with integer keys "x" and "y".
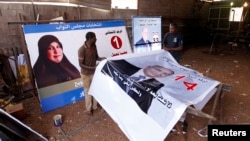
{"x": 146, "y": 33}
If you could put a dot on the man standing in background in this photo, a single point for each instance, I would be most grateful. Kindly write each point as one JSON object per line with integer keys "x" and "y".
{"x": 88, "y": 57}
{"x": 173, "y": 42}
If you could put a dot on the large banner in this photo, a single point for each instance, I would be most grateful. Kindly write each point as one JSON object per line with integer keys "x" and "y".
{"x": 146, "y": 33}
{"x": 146, "y": 94}
{"x": 53, "y": 50}
{"x": 13, "y": 129}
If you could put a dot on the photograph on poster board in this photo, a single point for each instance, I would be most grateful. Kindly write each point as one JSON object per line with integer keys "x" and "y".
{"x": 146, "y": 34}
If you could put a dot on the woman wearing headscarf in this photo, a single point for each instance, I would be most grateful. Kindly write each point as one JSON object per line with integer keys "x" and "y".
{"x": 52, "y": 66}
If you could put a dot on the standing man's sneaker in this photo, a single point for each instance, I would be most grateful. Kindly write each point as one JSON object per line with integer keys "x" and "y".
{"x": 90, "y": 113}
{"x": 184, "y": 127}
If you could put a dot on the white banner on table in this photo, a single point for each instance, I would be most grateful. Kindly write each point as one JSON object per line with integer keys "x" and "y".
{"x": 185, "y": 87}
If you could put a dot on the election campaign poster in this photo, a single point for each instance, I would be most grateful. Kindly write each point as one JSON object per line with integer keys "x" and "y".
{"x": 148, "y": 91}
{"x": 146, "y": 33}
{"x": 57, "y": 72}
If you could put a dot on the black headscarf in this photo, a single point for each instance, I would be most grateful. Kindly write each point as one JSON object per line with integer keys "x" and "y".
{"x": 47, "y": 72}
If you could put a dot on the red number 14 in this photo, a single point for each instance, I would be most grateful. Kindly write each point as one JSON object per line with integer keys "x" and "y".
{"x": 189, "y": 86}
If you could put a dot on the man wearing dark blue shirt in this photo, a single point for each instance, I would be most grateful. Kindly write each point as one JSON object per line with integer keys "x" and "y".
{"x": 173, "y": 42}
